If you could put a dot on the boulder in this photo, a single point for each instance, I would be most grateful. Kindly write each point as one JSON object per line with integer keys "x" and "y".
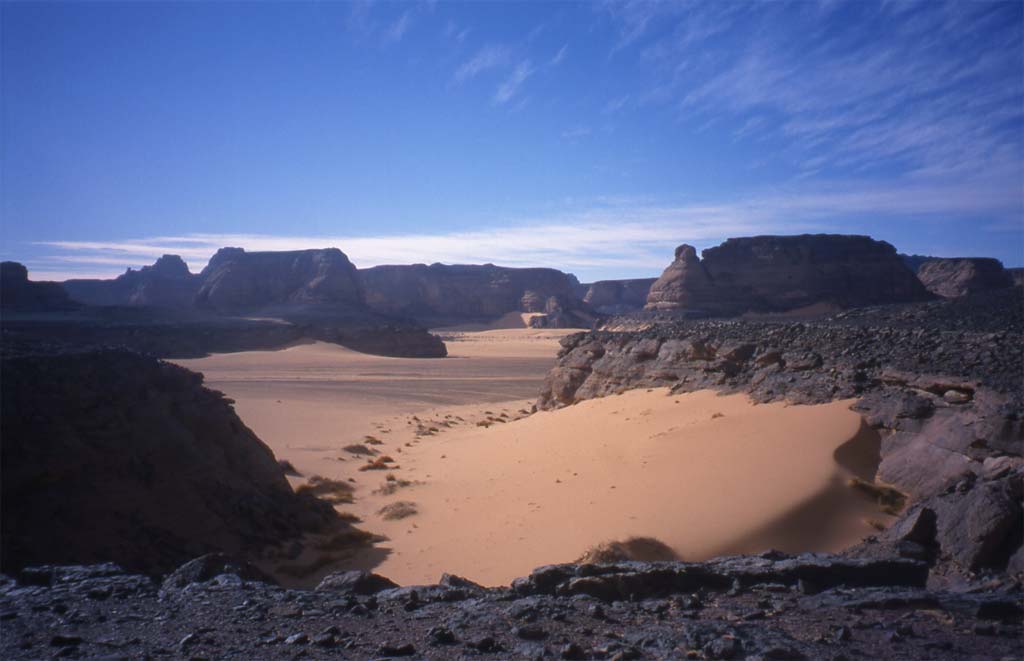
{"x": 770, "y": 274}
{"x": 357, "y": 581}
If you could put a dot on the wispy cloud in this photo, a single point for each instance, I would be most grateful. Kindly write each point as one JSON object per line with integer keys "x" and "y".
{"x": 559, "y": 56}
{"x": 607, "y": 238}
{"x": 511, "y": 85}
{"x": 397, "y": 29}
{"x": 488, "y": 57}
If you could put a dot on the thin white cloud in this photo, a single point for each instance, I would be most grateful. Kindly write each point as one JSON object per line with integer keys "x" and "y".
{"x": 605, "y": 239}
{"x": 488, "y": 57}
{"x": 559, "y": 56}
{"x": 395, "y": 31}
{"x": 511, "y": 85}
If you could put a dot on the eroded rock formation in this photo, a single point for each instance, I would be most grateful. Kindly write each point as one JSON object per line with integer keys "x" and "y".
{"x": 618, "y": 296}
{"x": 441, "y": 294}
{"x": 18, "y": 293}
{"x": 113, "y": 456}
{"x": 240, "y": 281}
{"x": 779, "y": 273}
{"x": 964, "y": 275}
{"x": 167, "y": 284}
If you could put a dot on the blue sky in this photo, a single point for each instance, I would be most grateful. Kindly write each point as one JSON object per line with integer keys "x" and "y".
{"x": 591, "y": 137}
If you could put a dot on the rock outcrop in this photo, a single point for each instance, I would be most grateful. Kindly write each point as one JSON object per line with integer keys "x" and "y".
{"x": 960, "y": 276}
{"x": 618, "y": 296}
{"x": 441, "y": 294}
{"x": 940, "y": 381}
{"x": 768, "y": 274}
{"x": 236, "y": 281}
{"x": 166, "y": 284}
{"x": 111, "y": 456}
{"x": 18, "y": 293}
{"x": 770, "y": 606}
{"x": 242, "y": 301}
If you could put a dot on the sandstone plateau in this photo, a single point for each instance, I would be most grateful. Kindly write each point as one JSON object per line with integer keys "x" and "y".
{"x": 440, "y": 294}
{"x": 167, "y": 283}
{"x": 766, "y": 274}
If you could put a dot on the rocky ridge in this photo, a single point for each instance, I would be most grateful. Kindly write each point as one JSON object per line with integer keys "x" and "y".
{"x": 946, "y": 399}
{"x": 441, "y": 294}
{"x": 167, "y": 283}
{"x": 779, "y": 273}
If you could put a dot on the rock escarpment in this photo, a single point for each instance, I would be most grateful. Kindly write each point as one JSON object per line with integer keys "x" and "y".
{"x": 242, "y": 301}
{"x": 238, "y": 281}
{"x": 113, "y": 456}
{"x": 618, "y": 296}
{"x": 766, "y": 274}
{"x": 440, "y": 294}
{"x": 166, "y": 284}
{"x": 960, "y": 276}
{"x": 940, "y": 381}
{"x": 19, "y": 294}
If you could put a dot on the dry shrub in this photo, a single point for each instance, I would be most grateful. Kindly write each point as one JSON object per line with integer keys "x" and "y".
{"x": 379, "y": 464}
{"x": 359, "y": 448}
{"x": 345, "y": 540}
{"x": 372, "y": 440}
{"x": 891, "y": 501}
{"x": 398, "y": 510}
{"x": 646, "y": 549}
{"x": 393, "y": 484}
{"x": 333, "y": 491}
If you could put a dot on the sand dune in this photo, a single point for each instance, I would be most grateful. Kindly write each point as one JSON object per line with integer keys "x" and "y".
{"x": 498, "y": 493}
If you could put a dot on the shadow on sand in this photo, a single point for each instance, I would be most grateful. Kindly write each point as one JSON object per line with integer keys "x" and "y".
{"x": 821, "y": 522}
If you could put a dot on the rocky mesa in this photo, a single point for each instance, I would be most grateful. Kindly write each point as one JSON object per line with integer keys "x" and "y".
{"x": 769, "y": 274}
{"x": 442, "y": 294}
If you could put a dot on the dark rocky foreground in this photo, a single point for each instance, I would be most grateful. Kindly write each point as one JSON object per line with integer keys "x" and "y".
{"x": 112, "y": 455}
{"x": 764, "y": 607}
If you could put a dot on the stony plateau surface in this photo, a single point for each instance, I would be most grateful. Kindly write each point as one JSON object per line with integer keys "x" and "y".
{"x": 760, "y": 607}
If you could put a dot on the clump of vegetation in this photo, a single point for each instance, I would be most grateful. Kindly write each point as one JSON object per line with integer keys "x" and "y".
{"x": 646, "y": 549}
{"x": 345, "y": 540}
{"x": 288, "y": 468}
{"x": 333, "y": 491}
{"x": 379, "y": 464}
{"x": 372, "y": 440}
{"x": 717, "y": 415}
{"x": 891, "y": 501}
{"x": 359, "y": 448}
{"x": 398, "y": 510}
{"x": 392, "y": 485}
{"x": 483, "y": 423}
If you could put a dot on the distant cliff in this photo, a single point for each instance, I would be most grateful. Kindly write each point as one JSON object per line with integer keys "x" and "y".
{"x": 239, "y": 281}
{"x": 167, "y": 283}
{"x": 953, "y": 277}
{"x": 442, "y": 294}
{"x": 18, "y": 293}
{"x": 618, "y": 296}
{"x": 781, "y": 273}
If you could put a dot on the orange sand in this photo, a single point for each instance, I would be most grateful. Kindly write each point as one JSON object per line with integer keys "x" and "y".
{"x": 496, "y": 501}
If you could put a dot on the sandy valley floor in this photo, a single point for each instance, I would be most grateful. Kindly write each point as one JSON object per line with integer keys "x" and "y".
{"x": 498, "y": 492}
